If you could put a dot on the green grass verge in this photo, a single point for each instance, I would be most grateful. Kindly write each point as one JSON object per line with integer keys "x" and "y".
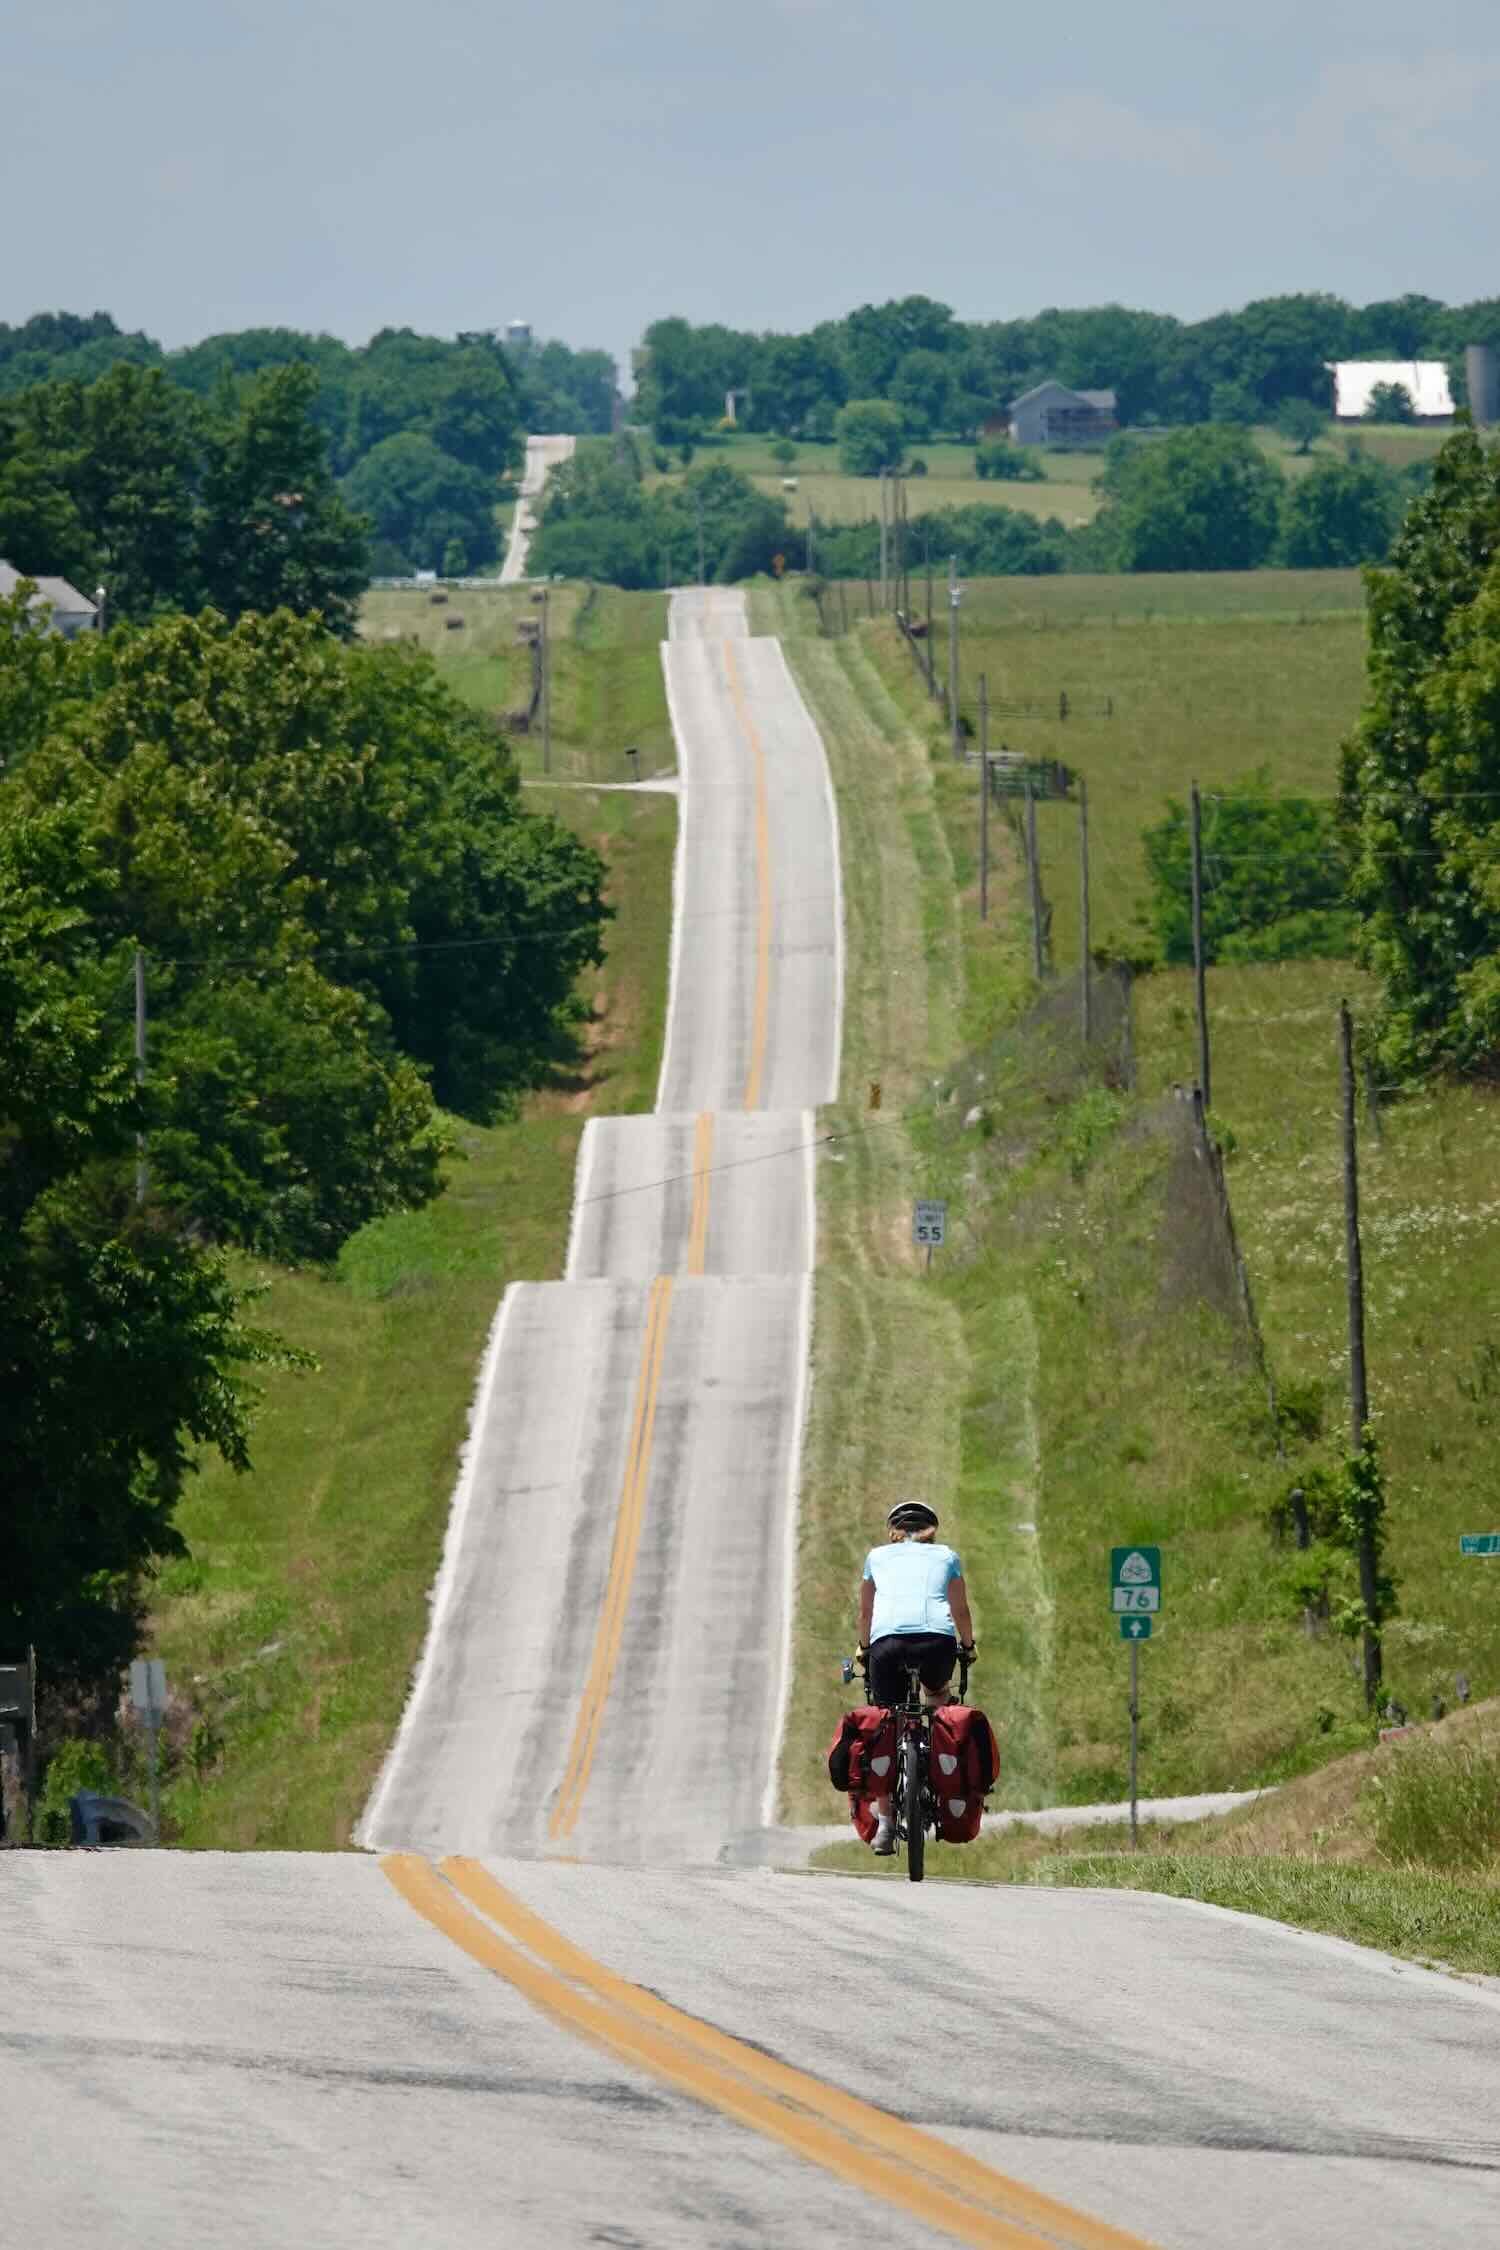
{"x": 891, "y": 1376}
{"x": 1422, "y": 1917}
{"x": 290, "y": 1635}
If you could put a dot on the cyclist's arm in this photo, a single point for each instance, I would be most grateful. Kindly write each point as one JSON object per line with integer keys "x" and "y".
{"x": 866, "y": 1610}
{"x": 958, "y": 1602}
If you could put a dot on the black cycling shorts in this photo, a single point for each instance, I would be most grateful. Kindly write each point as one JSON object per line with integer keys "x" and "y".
{"x": 891, "y": 1657}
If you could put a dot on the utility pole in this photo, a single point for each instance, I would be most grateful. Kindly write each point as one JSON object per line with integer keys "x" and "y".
{"x": 1034, "y": 873}
{"x": 1200, "y": 981}
{"x": 546, "y": 688}
{"x": 1083, "y": 914}
{"x": 955, "y": 596}
{"x": 884, "y": 536}
{"x": 698, "y": 501}
{"x": 984, "y": 798}
{"x": 140, "y": 1069}
{"x": 1359, "y": 1393}
{"x": 927, "y": 549}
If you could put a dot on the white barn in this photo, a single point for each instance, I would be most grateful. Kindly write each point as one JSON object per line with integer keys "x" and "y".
{"x": 1424, "y": 380}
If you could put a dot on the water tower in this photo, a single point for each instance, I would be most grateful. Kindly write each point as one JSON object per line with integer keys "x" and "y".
{"x": 517, "y": 335}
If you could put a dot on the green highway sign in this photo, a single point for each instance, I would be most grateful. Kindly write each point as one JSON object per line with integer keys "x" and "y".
{"x": 1480, "y": 1543}
{"x": 1135, "y": 1580}
{"x": 1135, "y": 1628}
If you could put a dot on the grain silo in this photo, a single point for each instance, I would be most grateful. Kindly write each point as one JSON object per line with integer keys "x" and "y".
{"x": 1482, "y": 366}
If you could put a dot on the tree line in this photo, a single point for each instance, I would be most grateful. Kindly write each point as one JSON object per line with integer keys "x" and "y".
{"x": 1197, "y": 499}
{"x": 350, "y": 928}
{"x": 418, "y": 430}
{"x": 949, "y": 376}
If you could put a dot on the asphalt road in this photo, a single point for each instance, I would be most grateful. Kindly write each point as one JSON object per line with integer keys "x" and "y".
{"x": 542, "y": 455}
{"x": 606, "y": 1671}
{"x": 576, "y": 2031}
{"x": 263, "y": 2050}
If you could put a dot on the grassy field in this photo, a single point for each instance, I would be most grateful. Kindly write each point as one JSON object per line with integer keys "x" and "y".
{"x": 606, "y": 692}
{"x": 822, "y": 490}
{"x": 1152, "y": 1419}
{"x": 291, "y": 1633}
{"x": 1155, "y": 701}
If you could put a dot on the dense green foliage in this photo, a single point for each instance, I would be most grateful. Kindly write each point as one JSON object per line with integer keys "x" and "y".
{"x": 1273, "y": 886}
{"x": 871, "y": 436}
{"x": 1202, "y": 499}
{"x": 130, "y": 482}
{"x": 418, "y": 500}
{"x": 467, "y": 401}
{"x": 1390, "y": 402}
{"x": 599, "y": 521}
{"x": 1340, "y": 514}
{"x": 943, "y": 374}
{"x": 985, "y": 542}
{"x": 120, "y": 1345}
{"x": 1007, "y": 463}
{"x": 1421, "y": 778}
{"x": 347, "y": 915}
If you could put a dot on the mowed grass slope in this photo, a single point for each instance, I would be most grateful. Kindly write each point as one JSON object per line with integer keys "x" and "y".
{"x": 290, "y": 1635}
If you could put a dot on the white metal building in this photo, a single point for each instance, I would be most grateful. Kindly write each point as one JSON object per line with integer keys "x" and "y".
{"x": 1424, "y": 380}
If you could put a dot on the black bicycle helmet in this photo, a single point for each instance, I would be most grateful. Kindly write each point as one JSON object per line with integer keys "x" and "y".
{"x": 912, "y": 1515}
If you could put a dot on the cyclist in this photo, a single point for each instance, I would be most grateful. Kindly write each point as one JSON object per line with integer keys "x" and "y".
{"x": 913, "y": 1610}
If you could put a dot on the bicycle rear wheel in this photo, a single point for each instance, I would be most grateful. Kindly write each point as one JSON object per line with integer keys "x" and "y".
{"x": 914, "y": 1807}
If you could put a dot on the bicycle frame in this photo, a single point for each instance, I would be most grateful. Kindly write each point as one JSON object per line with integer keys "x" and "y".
{"x": 914, "y": 1740}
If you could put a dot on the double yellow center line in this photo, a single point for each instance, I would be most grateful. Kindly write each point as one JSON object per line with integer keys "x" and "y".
{"x": 910, "y": 2170}
{"x": 761, "y": 1006}
{"x": 611, "y": 1627}
{"x": 627, "y": 1540}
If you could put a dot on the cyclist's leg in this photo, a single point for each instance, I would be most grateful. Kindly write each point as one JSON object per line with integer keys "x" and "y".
{"x": 939, "y": 1660}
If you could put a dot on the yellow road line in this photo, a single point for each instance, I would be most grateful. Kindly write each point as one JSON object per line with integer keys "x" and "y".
{"x": 867, "y": 2147}
{"x": 703, "y": 1151}
{"x": 611, "y": 1626}
{"x": 762, "y": 1004}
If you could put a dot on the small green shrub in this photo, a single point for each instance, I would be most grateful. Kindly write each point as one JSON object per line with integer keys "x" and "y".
{"x": 73, "y": 1765}
{"x": 997, "y": 458}
{"x": 1438, "y": 1803}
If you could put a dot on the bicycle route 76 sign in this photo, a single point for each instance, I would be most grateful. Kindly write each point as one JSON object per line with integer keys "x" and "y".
{"x": 1135, "y": 1580}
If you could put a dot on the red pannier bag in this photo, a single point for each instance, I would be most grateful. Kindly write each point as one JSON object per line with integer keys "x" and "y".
{"x": 862, "y": 1761}
{"x": 965, "y": 1767}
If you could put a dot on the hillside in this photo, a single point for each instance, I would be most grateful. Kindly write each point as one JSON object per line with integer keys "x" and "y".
{"x": 1077, "y": 1190}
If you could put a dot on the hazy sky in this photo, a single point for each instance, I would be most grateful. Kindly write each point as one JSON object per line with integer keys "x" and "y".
{"x": 348, "y": 164}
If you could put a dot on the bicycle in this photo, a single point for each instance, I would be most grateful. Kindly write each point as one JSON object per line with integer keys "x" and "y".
{"x": 913, "y": 1800}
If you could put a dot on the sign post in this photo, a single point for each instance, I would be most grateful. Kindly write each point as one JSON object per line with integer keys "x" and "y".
{"x": 1135, "y": 1598}
{"x": 148, "y": 1692}
{"x": 929, "y": 1227}
{"x": 18, "y": 1724}
{"x": 1479, "y": 1543}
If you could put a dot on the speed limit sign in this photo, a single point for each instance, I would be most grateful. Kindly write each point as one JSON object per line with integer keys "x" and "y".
{"x": 929, "y": 1225}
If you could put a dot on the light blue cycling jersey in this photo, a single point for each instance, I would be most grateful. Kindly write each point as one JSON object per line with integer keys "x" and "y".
{"x": 911, "y": 1581}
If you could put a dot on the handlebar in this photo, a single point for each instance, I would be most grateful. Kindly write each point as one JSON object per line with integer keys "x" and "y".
{"x": 966, "y": 1658}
